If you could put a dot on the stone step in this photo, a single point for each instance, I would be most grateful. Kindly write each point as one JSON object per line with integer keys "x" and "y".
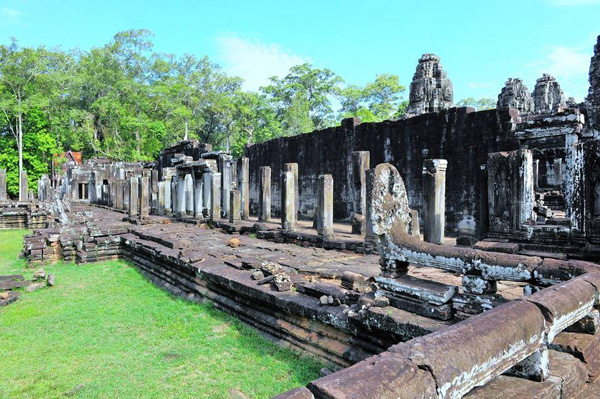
{"x": 426, "y": 290}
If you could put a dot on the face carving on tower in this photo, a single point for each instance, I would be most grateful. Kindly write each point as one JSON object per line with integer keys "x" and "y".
{"x": 515, "y": 94}
{"x": 548, "y": 97}
{"x": 430, "y": 90}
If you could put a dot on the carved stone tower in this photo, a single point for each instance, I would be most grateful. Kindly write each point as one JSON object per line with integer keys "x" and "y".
{"x": 547, "y": 95}
{"x": 593, "y": 98}
{"x": 430, "y": 90}
{"x": 515, "y": 94}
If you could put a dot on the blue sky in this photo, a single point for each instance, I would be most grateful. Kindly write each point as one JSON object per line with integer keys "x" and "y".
{"x": 481, "y": 43}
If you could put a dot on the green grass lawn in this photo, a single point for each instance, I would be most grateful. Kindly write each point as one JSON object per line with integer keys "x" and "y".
{"x": 106, "y": 332}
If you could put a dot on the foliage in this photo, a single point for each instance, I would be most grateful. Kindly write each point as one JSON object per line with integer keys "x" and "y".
{"x": 479, "y": 105}
{"x": 126, "y": 102}
{"x": 104, "y": 322}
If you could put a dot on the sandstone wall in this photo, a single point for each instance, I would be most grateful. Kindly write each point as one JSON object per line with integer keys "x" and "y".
{"x": 460, "y": 135}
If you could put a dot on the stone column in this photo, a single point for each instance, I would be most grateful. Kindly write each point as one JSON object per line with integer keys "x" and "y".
{"x": 134, "y": 198}
{"x": 174, "y": 190}
{"x": 161, "y": 198}
{"x": 236, "y": 205}
{"x": 244, "y": 186}
{"x": 23, "y": 192}
{"x": 145, "y": 196}
{"x": 119, "y": 194}
{"x": 225, "y": 168}
{"x": 558, "y": 179}
{"x": 536, "y": 171}
{"x": 154, "y": 191}
{"x": 360, "y": 164}
{"x": 434, "y": 199}
{"x": 181, "y": 197}
{"x": 168, "y": 195}
{"x": 265, "y": 194}
{"x": 126, "y": 194}
{"x": 293, "y": 167}
{"x": 198, "y": 197}
{"x": 215, "y": 196}
{"x": 3, "y": 184}
{"x": 325, "y": 206}
{"x": 189, "y": 194}
{"x": 288, "y": 201}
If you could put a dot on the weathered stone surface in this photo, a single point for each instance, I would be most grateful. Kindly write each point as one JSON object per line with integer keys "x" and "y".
{"x": 512, "y": 387}
{"x": 361, "y": 161}
{"x": 584, "y": 347}
{"x": 547, "y": 95}
{"x": 430, "y": 89}
{"x": 430, "y": 291}
{"x": 515, "y": 94}
{"x": 385, "y": 376}
{"x": 481, "y": 348}
{"x": 434, "y": 200}
{"x": 570, "y": 370}
{"x": 298, "y": 393}
{"x": 265, "y": 194}
{"x": 325, "y": 207}
{"x": 288, "y": 201}
{"x": 593, "y": 98}
{"x": 34, "y": 287}
{"x": 3, "y": 196}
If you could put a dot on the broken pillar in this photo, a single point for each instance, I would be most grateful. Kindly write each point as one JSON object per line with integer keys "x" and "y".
{"x": 288, "y": 201}
{"x": 244, "y": 186}
{"x": 293, "y": 167}
{"x": 215, "y": 196}
{"x": 415, "y": 229}
{"x": 181, "y": 195}
{"x": 161, "y": 198}
{"x": 198, "y": 197}
{"x": 134, "y": 187}
{"x": 360, "y": 164}
{"x": 167, "y": 193}
{"x": 236, "y": 205}
{"x": 3, "y": 196}
{"x": 24, "y": 187}
{"x": 145, "y": 196}
{"x": 225, "y": 168}
{"x": 325, "y": 206}
{"x": 434, "y": 199}
{"x": 264, "y": 194}
{"x": 557, "y": 172}
{"x": 189, "y": 194}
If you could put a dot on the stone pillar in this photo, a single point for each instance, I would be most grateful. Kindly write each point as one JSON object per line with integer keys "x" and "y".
{"x": 23, "y": 192}
{"x": 360, "y": 164}
{"x": 3, "y": 184}
{"x": 265, "y": 194}
{"x": 325, "y": 206}
{"x": 161, "y": 198}
{"x": 558, "y": 179}
{"x": 134, "y": 198}
{"x": 174, "y": 190}
{"x": 244, "y": 186}
{"x": 167, "y": 201}
{"x": 434, "y": 199}
{"x": 189, "y": 194}
{"x": 536, "y": 171}
{"x": 225, "y": 168}
{"x": 215, "y": 196}
{"x": 293, "y": 167}
{"x": 198, "y": 197}
{"x": 145, "y": 196}
{"x": 154, "y": 191}
{"x": 126, "y": 195}
{"x": 415, "y": 229}
{"x": 181, "y": 195}
{"x": 119, "y": 194}
{"x": 236, "y": 205}
{"x": 288, "y": 201}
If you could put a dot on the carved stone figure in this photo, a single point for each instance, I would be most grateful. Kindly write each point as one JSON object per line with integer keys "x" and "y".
{"x": 547, "y": 95}
{"x": 430, "y": 90}
{"x": 515, "y": 94}
{"x": 593, "y": 98}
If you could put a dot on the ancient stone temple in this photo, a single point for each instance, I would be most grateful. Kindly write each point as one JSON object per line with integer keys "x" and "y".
{"x": 430, "y": 90}
{"x": 515, "y": 94}
{"x": 547, "y": 95}
{"x": 593, "y": 99}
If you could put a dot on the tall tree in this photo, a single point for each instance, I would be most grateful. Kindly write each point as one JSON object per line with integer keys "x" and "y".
{"x": 480, "y": 104}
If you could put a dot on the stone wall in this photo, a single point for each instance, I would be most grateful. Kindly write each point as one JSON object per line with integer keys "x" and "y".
{"x": 460, "y": 135}
{"x": 594, "y": 92}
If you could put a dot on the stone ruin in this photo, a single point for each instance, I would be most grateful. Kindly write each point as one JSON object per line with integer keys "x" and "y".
{"x": 430, "y": 89}
{"x": 409, "y": 271}
{"x": 548, "y": 97}
{"x": 516, "y": 95}
{"x": 593, "y": 99}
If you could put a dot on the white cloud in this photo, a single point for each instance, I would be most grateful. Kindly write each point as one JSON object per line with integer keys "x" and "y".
{"x": 9, "y": 14}
{"x": 255, "y": 61}
{"x": 569, "y": 65}
{"x": 573, "y": 3}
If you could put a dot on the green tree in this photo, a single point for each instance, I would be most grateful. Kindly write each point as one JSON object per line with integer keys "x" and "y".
{"x": 480, "y": 105}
